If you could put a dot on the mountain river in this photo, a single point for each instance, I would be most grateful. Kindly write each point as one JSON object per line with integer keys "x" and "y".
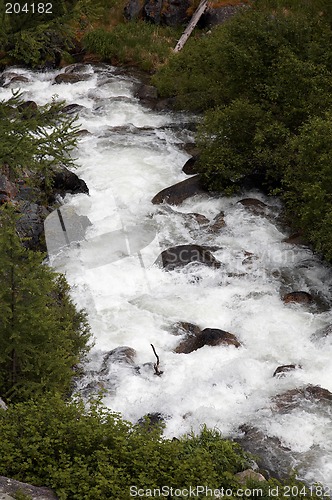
{"x": 128, "y": 154}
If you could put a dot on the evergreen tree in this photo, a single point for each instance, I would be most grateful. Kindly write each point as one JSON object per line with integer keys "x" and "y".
{"x": 42, "y": 335}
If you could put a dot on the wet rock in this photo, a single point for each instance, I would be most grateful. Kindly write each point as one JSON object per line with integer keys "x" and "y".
{"x": 8, "y": 189}
{"x": 123, "y": 355}
{"x": 182, "y": 255}
{"x": 297, "y": 298}
{"x": 176, "y": 194}
{"x": 281, "y": 371}
{"x": 248, "y": 475}
{"x": 219, "y": 223}
{"x": 76, "y": 68}
{"x": 146, "y": 92}
{"x": 12, "y": 487}
{"x": 295, "y": 397}
{"x": 190, "y": 167}
{"x": 151, "y": 420}
{"x": 208, "y": 336}
{"x": 65, "y": 181}
{"x": 70, "y": 78}
{"x": 182, "y": 327}
{"x": 71, "y": 109}
{"x": 269, "y": 452}
{"x": 195, "y": 219}
{"x": 257, "y": 207}
{"x": 323, "y": 333}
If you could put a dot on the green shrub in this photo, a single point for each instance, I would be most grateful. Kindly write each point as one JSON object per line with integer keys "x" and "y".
{"x": 94, "y": 454}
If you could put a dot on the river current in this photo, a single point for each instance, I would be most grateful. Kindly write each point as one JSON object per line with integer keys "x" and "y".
{"x": 128, "y": 154}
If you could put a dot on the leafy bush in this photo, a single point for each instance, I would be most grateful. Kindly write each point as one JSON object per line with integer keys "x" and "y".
{"x": 93, "y": 453}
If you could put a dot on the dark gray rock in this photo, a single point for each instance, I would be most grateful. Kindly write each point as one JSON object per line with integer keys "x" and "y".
{"x": 182, "y": 255}
{"x": 218, "y": 15}
{"x": 134, "y": 9}
{"x": 65, "y": 181}
{"x": 176, "y": 194}
{"x": 168, "y": 12}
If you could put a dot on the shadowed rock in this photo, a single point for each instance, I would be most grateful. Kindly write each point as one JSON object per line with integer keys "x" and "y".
{"x": 65, "y": 181}
{"x": 190, "y": 167}
{"x": 182, "y": 255}
{"x": 176, "y": 194}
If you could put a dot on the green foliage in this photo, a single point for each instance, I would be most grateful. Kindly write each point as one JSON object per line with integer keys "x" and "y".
{"x": 42, "y": 335}
{"x": 264, "y": 80}
{"x": 93, "y": 453}
{"x": 138, "y": 43}
{"x": 34, "y": 139}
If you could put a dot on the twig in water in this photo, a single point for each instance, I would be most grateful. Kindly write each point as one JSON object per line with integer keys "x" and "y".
{"x": 156, "y": 365}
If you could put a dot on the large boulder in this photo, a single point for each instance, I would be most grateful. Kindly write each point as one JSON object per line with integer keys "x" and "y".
{"x": 197, "y": 338}
{"x": 176, "y": 194}
{"x": 182, "y": 255}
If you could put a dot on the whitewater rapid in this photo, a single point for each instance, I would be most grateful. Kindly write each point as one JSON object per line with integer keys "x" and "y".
{"x": 129, "y": 154}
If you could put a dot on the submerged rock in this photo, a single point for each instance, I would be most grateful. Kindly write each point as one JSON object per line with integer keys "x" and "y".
{"x": 218, "y": 223}
{"x": 257, "y": 207}
{"x": 176, "y": 194}
{"x": 295, "y": 397}
{"x": 182, "y": 255}
{"x": 281, "y": 371}
{"x": 123, "y": 354}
